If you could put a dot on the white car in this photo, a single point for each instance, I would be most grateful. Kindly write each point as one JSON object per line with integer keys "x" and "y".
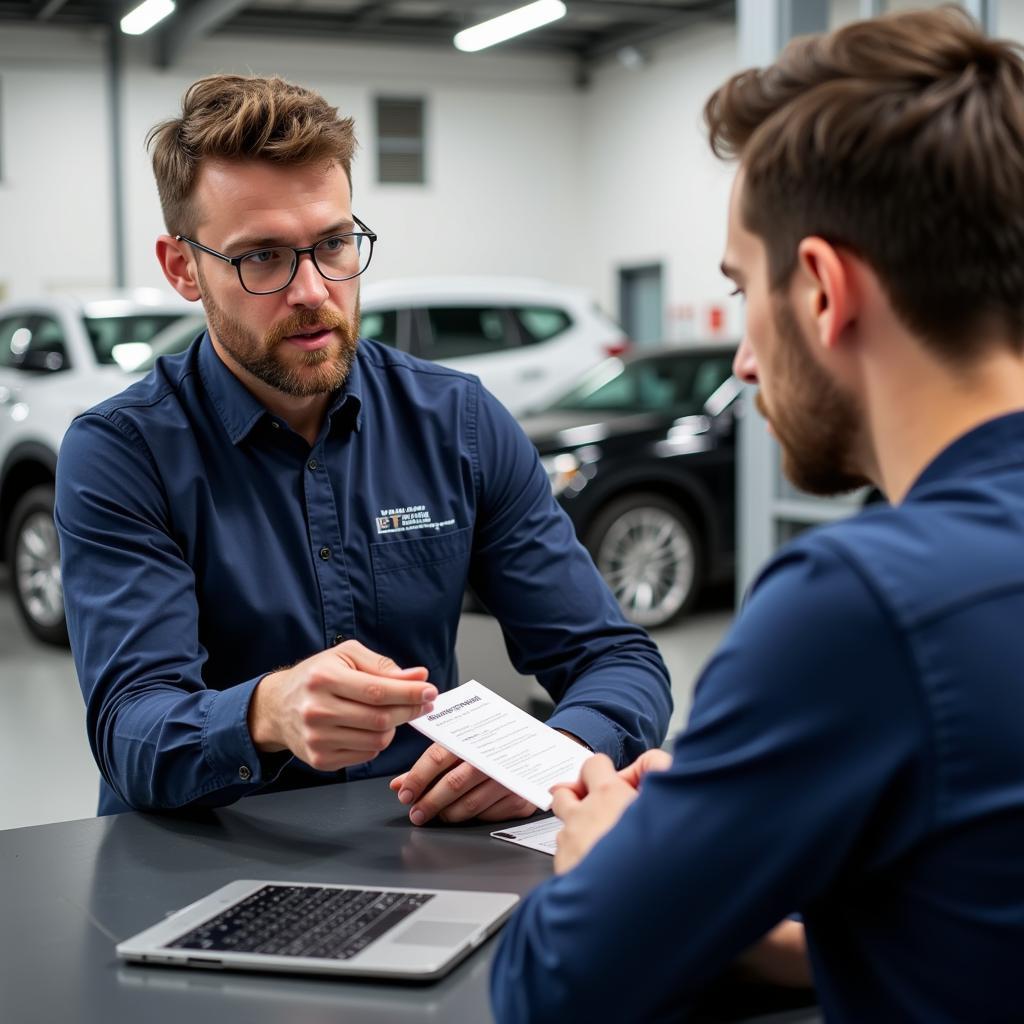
{"x": 528, "y": 341}
{"x": 58, "y": 357}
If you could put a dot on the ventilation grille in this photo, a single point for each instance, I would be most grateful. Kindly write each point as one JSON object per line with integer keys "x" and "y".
{"x": 400, "y": 141}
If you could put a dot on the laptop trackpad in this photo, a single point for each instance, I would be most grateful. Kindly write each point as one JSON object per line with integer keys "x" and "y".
{"x": 435, "y": 933}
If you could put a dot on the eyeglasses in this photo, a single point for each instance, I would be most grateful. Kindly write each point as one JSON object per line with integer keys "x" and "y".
{"x": 272, "y": 269}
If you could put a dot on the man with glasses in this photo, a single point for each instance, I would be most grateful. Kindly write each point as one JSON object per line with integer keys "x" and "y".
{"x": 284, "y": 494}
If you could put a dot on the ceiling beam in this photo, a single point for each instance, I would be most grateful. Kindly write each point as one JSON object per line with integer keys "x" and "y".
{"x": 286, "y": 23}
{"x": 616, "y": 10}
{"x": 48, "y": 8}
{"x": 191, "y": 25}
{"x": 677, "y": 22}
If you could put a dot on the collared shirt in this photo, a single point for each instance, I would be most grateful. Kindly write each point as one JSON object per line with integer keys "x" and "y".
{"x": 856, "y": 753}
{"x": 205, "y": 544}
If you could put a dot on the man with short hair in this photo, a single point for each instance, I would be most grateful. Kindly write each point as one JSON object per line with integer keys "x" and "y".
{"x": 256, "y": 536}
{"x": 855, "y": 751}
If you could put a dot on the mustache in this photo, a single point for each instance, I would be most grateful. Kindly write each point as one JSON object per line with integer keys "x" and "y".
{"x": 302, "y": 319}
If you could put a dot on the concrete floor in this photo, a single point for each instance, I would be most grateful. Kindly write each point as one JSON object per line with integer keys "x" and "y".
{"x": 46, "y": 768}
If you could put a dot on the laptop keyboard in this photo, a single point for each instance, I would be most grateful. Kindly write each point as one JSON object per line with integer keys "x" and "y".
{"x": 306, "y": 920}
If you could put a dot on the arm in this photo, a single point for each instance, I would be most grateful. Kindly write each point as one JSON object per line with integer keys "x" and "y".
{"x": 560, "y": 623}
{"x": 780, "y": 774}
{"x": 161, "y": 738}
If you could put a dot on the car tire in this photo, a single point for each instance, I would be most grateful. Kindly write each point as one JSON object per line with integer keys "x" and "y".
{"x": 33, "y": 560}
{"x": 650, "y": 554}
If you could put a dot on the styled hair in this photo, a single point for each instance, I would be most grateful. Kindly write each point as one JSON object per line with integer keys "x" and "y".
{"x": 900, "y": 139}
{"x": 231, "y": 117}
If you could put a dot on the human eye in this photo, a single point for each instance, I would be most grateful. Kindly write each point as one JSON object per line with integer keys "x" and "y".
{"x": 335, "y": 243}
{"x": 261, "y": 257}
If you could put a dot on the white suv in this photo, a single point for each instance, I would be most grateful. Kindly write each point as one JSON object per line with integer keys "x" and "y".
{"x": 58, "y": 357}
{"x": 528, "y": 341}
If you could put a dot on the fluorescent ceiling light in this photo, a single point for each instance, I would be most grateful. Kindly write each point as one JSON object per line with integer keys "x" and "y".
{"x": 515, "y": 23}
{"x": 145, "y": 16}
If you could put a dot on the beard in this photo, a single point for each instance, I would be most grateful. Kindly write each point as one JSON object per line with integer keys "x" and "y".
{"x": 296, "y": 373}
{"x": 816, "y": 422}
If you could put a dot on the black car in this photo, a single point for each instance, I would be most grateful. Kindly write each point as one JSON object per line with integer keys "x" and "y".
{"x": 642, "y": 456}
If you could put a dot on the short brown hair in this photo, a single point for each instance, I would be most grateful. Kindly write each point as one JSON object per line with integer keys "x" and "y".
{"x": 231, "y": 117}
{"x": 901, "y": 139}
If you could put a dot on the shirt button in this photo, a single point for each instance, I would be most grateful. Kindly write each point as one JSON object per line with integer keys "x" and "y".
{"x": 275, "y": 424}
{"x": 325, "y": 553}
{"x": 338, "y": 638}
{"x": 244, "y": 774}
{"x": 312, "y": 464}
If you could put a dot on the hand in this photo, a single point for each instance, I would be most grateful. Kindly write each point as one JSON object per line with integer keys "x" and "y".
{"x": 780, "y": 957}
{"x": 653, "y": 760}
{"x": 589, "y": 809}
{"x": 337, "y": 708}
{"x": 444, "y": 786}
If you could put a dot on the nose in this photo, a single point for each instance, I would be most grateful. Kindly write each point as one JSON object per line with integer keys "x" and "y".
{"x": 744, "y": 365}
{"x": 308, "y": 288}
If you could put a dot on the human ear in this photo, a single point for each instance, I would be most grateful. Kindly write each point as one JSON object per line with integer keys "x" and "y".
{"x": 179, "y": 266}
{"x": 826, "y": 295}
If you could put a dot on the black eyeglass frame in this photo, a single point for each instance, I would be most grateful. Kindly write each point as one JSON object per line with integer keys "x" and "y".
{"x": 236, "y": 261}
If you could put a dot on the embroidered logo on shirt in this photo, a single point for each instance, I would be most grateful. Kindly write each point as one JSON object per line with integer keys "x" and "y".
{"x": 412, "y": 517}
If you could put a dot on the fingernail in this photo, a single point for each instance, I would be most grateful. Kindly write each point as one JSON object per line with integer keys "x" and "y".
{"x": 429, "y": 694}
{"x": 406, "y": 796}
{"x": 417, "y": 817}
{"x": 426, "y": 709}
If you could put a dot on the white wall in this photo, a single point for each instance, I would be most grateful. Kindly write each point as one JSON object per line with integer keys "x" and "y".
{"x": 654, "y": 192}
{"x": 527, "y": 173}
{"x": 55, "y": 192}
{"x": 503, "y": 151}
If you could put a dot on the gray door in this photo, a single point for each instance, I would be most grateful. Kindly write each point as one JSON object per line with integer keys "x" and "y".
{"x": 640, "y": 304}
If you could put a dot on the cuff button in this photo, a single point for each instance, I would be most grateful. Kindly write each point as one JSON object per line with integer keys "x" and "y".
{"x": 244, "y": 773}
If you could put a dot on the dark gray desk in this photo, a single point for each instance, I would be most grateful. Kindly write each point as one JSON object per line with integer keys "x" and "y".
{"x": 70, "y": 891}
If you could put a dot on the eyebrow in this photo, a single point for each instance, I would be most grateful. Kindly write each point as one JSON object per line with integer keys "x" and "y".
{"x": 247, "y": 244}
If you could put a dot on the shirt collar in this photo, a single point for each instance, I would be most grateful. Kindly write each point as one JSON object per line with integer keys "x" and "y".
{"x": 239, "y": 410}
{"x": 995, "y": 443}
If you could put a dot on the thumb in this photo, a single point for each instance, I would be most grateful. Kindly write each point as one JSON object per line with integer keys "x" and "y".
{"x": 364, "y": 660}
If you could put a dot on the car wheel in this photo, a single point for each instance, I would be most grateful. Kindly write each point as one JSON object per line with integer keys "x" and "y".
{"x": 649, "y": 553}
{"x": 33, "y": 557}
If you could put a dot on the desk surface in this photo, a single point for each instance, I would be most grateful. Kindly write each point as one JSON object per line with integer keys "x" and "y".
{"x": 70, "y": 891}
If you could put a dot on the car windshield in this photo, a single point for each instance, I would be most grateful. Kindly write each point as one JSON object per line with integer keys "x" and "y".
{"x": 109, "y": 333}
{"x": 175, "y": 338}
{"x": 676, "y": 383}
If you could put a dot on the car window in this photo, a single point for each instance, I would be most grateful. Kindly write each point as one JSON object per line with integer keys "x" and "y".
{"x": 107, "y": 332}
{"x": 541, "y": 323}
{"x": 140, "y": 356}
{"x": 14, "y": 339}
{"x": 465, "y": 331}
{"x": 675, "y": 384}
{"x": 40, "y": 346}
{"x": 380, "y": 326}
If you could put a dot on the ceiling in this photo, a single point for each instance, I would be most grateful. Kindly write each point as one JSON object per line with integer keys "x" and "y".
{"x": 590, "y": 31}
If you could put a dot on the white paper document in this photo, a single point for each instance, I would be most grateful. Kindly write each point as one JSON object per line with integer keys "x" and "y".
{"x": 524, "y": 755}
{"x": 537, "y": 835}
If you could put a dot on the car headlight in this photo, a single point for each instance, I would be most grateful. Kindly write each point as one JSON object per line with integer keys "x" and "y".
{"x": 562, "y": 470}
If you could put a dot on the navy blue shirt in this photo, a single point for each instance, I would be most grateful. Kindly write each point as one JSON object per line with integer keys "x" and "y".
{"x": 205, "y": 544}
{"x": 855, "y": 753}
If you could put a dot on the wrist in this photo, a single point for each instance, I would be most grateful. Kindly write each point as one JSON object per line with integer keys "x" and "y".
{"x": 576, "y": 739}
{"x": 261, "y": 720}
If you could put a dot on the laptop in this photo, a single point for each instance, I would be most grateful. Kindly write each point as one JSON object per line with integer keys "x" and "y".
{"x": 309, "y": 928}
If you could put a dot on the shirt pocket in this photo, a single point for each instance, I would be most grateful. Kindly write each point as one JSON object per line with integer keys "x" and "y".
{"x": 421, "y": 580}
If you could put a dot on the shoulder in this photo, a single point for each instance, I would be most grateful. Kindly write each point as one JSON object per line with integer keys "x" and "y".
{"x": 933, "y": 553}
{"x": 163, "y": 388}
{"x": 378, "y": 361}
